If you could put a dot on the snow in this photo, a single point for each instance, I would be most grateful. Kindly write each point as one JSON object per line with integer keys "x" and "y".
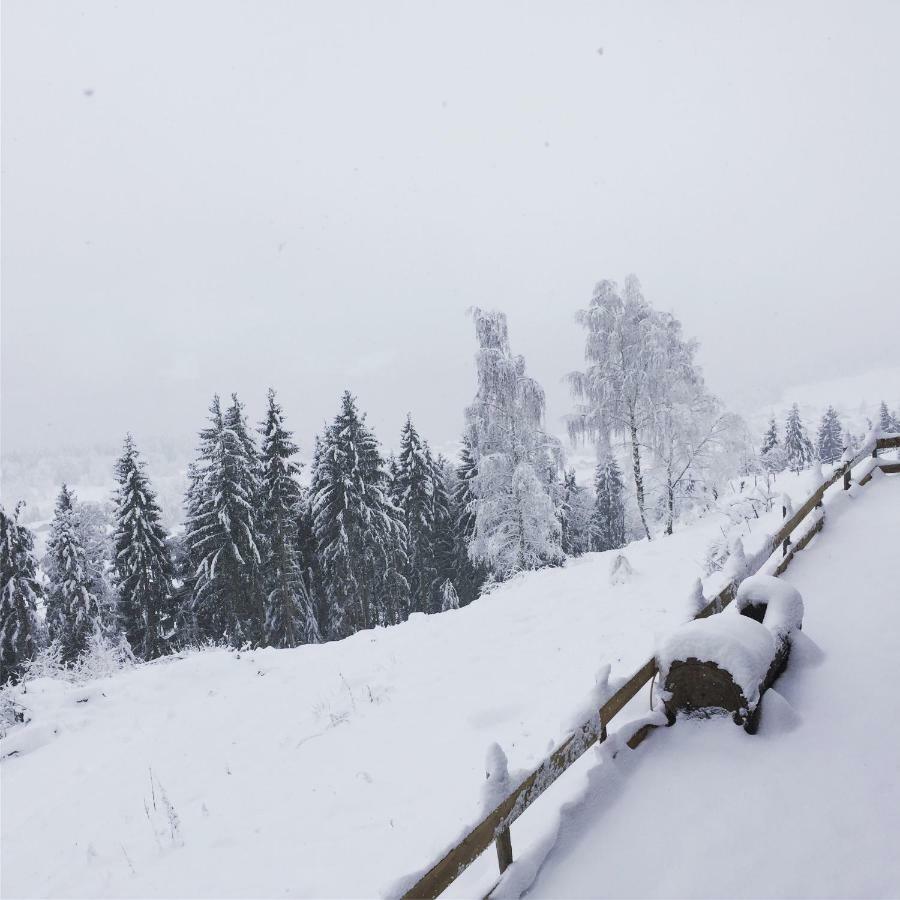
{"x": 784, "y": 605}
{"x": 283, "y": 764}
{"x": 334, "y": 770}
{"x": 737, "y": 644}
{"x": 807, "y": 807}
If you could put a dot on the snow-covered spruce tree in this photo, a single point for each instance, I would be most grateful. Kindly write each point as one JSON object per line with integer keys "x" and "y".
{"x": 449, "y": 597}
{"x": 20, "y": 591}
{"x": 222, "y": 533}
{"x": 413, "y": 490}
{"x": 829, "y": 440}
{"x": 636, "y": 356}
{"x": 444, "y": 539}
{"x": 96, "y": 524}
{"x": 72, "y": 609}
{"x": 142, "y": 568}
{"x": 575, "y": 509}
{"x": 290, "y": 619}
{"x": 608, "y": 522}
{"x": 470, "y": 575}
{"x": 359, "y": 531}
{"x": 797, "y": 445}
{"x": 887, "y": 420}
{"x": 770, "y": 438}
{"x": 516, "y": 526}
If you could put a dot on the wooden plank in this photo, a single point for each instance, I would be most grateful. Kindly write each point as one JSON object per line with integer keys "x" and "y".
{"x": 888, "y": 443}
{"x": 782, "y": 566}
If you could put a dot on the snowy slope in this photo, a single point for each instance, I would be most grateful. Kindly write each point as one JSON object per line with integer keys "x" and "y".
{"x": 279, "y": 765}
{"x": 809, "y": 807}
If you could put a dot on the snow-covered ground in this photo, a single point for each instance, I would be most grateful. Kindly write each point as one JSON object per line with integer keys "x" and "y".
{"x": 808, "y": 807}
{"x": 329, "y": 770}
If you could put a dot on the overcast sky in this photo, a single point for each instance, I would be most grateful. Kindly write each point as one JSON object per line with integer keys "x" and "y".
{"x": 220, "y": 196}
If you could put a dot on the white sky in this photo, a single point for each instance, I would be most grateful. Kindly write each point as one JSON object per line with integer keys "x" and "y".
{"x": 221, "y": 196}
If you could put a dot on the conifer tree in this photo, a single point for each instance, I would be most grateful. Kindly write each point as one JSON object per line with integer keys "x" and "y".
{"x": 413, "y": 488}
{"x": 359, "y": 532}
{"x": 222, "y": 530}
{"x": 576, "y": 513}
{"x": 797, "y": 446}
{"x": 470, "y": 575}
{"x": 449, "y": 597}
{"x": 887, "y": 420}
{"x": 290, "y": 619}
{"x": 72, "y": 608}
{"x": 20, "y": 591}
{"x": 609, "y": 513}
{"x": 141, "y": 565}
{"x": 770, "y": 438}
{"x": 444, "y": 539}
{"x": 829, "y": 438}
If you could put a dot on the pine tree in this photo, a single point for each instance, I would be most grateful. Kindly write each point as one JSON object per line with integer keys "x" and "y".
{"x": 449, "y": 597}
{"x": 470, "y": 575}
{"x": 830, "y": 437}
{"x": 609, "y": 514}
{"x": 20, "y": 591}
{"x": 72, "y": 608}
{"x": 444, "y": 538}
{"x": 413, "y": 488}
{"x": 770, "y": 438}
{"x": 887, "y": 421}
{"x": 222, "y": 530}
{"x": 797, "y": 446}
{"x": 290, "y": 619}
{"x": 359, "y": 532}
{"x": 142, "y": 567}
{"x": 575, "y": 515}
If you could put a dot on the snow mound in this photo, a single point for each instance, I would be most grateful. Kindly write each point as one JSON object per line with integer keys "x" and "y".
{"x": 736, "y": 644}
{"x": 778, "y": 717}
{"x": 620, "y": 572}
{"x": 783, "y": 604}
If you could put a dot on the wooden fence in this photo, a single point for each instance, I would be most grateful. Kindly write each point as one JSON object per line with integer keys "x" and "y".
{"x": 495, "y": 827}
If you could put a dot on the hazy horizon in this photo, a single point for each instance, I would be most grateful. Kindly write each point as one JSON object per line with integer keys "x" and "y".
{"x": 314, "y": 201}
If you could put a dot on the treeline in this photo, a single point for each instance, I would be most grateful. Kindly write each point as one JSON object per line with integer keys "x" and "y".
{"x": 793, "y": 449}
{"x": 264, "y": 560}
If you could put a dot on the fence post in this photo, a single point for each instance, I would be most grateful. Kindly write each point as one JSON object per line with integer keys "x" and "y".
{"x": 504, "y": 849}
{"x": 847, "y": 478}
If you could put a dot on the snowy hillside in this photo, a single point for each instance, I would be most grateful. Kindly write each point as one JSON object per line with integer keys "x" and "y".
{"x": 806, "y": 808}
{"x": 262, "y": 773}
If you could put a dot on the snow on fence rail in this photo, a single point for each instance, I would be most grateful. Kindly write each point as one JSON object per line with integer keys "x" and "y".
{"x": 495, "y": 827}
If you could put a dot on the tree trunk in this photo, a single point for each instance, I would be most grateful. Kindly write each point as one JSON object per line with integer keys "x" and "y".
{"x": 638, "y": 477}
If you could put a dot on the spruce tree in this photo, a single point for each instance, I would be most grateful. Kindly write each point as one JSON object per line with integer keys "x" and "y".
{"x": 20, "y": 591}
{"x": 887, "y": 420}
{"x": 470, "y": 575}
{"x": 770, "y": 438}
{"x": 608, "y": 525}
{"x": 444, "y": 539}
{"x": 142, "y": 566}
{"x": 797, "y": 446}
{"x": 72, "y": 607}
{"x": 413, "y": 489}
{"x": 222, "y": 530}
{"x": 359, "y": 532}
{"x": 290, "y": 619}
{"x": 829, "y": 439}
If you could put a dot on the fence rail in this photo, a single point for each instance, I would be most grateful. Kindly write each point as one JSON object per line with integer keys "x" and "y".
{"x": 495, "y": 827}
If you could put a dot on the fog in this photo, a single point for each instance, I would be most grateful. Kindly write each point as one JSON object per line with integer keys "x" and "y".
{"x": 214, "y": 197}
